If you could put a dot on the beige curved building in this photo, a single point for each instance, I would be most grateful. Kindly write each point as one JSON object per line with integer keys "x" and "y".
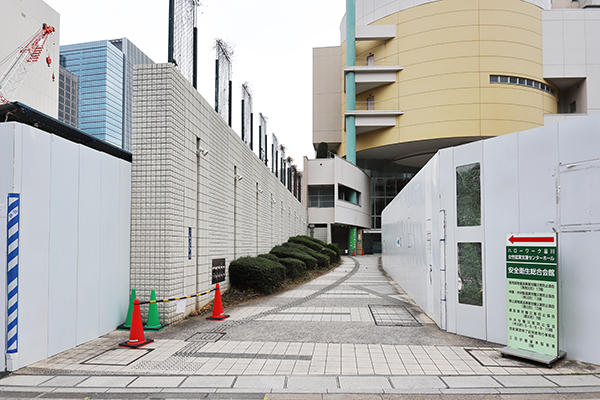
{"x": 431, "y": 74}
{"x": 447, "y": 54}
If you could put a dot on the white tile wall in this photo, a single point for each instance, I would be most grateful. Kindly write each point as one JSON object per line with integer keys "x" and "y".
{"x": 173, "y": 189}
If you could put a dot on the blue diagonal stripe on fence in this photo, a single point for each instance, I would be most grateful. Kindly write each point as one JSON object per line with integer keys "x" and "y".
{"x": 12, "y": 272}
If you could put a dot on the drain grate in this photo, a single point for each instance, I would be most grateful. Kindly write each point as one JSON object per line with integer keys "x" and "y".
{"x": 393, "y": 316}
{"x": 205, "y": 337}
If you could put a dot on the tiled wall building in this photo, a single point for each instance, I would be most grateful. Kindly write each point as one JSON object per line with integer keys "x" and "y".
{"x": 68, "y": 97}
{"x": 198, "y": 192}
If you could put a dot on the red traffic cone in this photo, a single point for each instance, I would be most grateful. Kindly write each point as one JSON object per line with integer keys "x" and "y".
{"x": 363, "y": 252}
{"x": 217, "y": 314}
{"x": 136, "y": 333}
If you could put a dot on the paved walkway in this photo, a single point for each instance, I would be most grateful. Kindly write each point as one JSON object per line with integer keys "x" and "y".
{"x": 350, "y": 331}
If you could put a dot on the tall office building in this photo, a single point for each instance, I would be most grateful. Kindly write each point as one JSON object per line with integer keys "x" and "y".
{"x": 105, "y": 71}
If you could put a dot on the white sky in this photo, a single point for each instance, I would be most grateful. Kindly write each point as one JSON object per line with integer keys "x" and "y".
{"x": 272, "y": 42}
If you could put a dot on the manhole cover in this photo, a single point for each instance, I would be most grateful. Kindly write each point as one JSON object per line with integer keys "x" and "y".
{"x": 205, "y": 337}
{"x": 393, "y": 316}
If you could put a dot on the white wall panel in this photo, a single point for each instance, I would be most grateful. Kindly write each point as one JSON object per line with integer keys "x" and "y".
{"x": 538, "y": 160}
{"x": 109, "y": 246}
{"x": 500, "y": 188}
{"x": 88, "y": 272}
{"x": 572, "y": 134}
{"x": 124, "y": 254}
{"x": 34, "y": 245}
{"x": 448, "y": 204}
{"x": 578, "y": 304}
{"x": 6, "y": 181}
{"x": 62, "y": 277}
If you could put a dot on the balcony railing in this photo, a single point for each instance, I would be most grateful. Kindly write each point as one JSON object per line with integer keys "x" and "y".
{"x": 390, "y": 105}
{"x": 375, "y": 62}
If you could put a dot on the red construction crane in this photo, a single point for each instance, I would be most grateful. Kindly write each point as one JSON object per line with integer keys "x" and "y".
{"x": 26, "y": 56}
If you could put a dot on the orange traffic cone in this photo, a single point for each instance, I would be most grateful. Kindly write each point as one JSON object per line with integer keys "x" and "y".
{"x": 217, "y": 314}
{"x": 136, "y": 333}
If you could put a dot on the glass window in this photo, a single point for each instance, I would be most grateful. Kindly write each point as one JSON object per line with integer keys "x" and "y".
{"x": 504, "y": 79}
{"x": 468, "y": 195}
{"x": 513, "y": 79}
{"x": 470, "y": 274}
{"x": 320, "y": 196}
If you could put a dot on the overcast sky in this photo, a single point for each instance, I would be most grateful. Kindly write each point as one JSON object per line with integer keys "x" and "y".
{"x": 272, "y": 42}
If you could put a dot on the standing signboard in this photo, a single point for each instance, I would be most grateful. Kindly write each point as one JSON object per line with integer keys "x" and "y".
{"x": 532, "y": 297}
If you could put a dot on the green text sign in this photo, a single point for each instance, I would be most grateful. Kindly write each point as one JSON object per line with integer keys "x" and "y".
{"x": 531, "y": 273}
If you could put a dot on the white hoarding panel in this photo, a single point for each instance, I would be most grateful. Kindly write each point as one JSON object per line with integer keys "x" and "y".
{"x": 109, "y": 246}
{"x": 89, "y": 221}
{"x": 501, "y": 197}
{"x": 64, "y": 193}
{"x": 538, "y": 150}
{"x": 34, "y": 245}
{"x": 124, "y": 241}
{"x": 578, "y": 294}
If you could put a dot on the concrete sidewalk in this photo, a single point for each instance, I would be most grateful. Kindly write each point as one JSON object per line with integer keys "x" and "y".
{"x": 350, "y": 331}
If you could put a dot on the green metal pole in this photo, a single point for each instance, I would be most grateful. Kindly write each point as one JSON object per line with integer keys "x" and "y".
{"x": 351, "y": 86}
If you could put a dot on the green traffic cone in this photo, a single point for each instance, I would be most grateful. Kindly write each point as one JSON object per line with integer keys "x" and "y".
{"x": 125, "y": 326}
{"x": 153, "y": 322}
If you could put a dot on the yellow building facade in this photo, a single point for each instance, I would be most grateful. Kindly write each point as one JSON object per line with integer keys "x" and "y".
{"x": 448, "y": 54}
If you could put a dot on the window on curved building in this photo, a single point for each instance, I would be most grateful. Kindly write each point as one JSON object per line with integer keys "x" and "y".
{"x": 515, "y": 80}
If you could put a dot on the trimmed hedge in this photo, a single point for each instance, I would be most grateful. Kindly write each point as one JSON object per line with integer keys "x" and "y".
{"x": 258, "y": 273}
{"x": 289, "y": 252}
{"x": 294, "y": 268}
{"x": 322, "y": 260}
{"x": 269, "y": 256}
{"x": 334, "y": 247}
{"x": 318, "y": 241}
{"x": 317, "y": 245}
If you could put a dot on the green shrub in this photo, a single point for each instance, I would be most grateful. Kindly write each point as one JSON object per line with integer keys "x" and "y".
{"x": 304, "y": 240}
{"x": 269, "y": 256}
{"x": 322, "y": 150}
{"x": 294, "y": 268}
{"x": 318, "y": 241}
{"x": 316, "y": 245}
{"x": 332, "y": 255}
{"x": 258, "y": 273}
{"x": 322, "y": 259}
{"x": 288, "y": 252}
{"x": 336, "y": 249}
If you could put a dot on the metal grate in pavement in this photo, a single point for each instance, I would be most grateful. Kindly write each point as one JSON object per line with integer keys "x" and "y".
{"x": 393, "y": 315}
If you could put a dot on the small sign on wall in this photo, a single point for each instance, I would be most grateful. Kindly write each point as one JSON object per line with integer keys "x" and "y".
{"x": 218, "y": 270}
{"x": 532, "y": 297}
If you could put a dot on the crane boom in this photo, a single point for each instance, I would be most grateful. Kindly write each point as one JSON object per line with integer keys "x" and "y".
{"x": 27, "y": 55}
